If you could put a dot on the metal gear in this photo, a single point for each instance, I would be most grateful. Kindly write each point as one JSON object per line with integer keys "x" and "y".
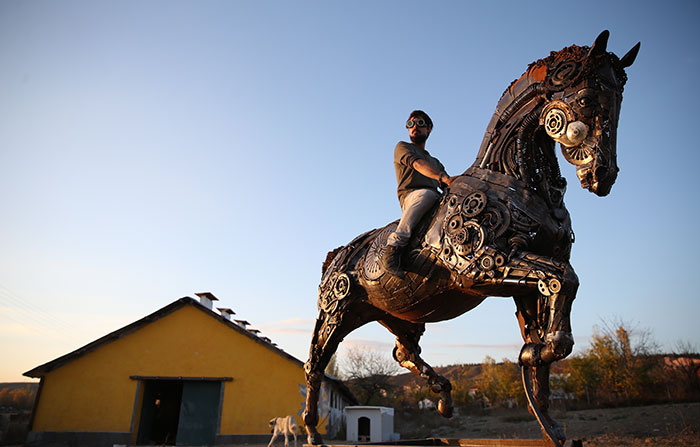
{"x": 496, "y": 218}
{"x": 476, "y": 237}
{"x": 454, "y": 224}
{"x": 460, "y": 237}
{"x": 474, "y": 204}
{"x": 499, "y": 260}
{"x": 486, "y": 263}
{"x": 341, "y": 288}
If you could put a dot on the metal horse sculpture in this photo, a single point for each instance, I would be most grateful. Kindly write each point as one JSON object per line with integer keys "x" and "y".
{"x": 501, "y": 229}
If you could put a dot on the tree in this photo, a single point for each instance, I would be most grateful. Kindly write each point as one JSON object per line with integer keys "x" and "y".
{"x": 617, "y": 367}
{"x": 462, "y": 383}
{"x": 367, "y": 375}
{"x": 333, "y": 368}
{"x": 584, "y": 378}
{"x": 500, "y": 382}
{"x": 21, "y": 398}
{"x": 680, "y": 371}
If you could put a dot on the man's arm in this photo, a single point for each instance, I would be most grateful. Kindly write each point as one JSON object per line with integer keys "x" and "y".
{"x": 427, "y": 170}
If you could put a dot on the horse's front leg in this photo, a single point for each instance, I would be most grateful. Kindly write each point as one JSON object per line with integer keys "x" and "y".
{"x": 554, "y": 339}
{"x": 544, "y": 311}
{"x": 407, "y": 353}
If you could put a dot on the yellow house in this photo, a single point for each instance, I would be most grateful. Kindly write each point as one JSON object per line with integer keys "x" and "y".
{"x": 183, "y": 375}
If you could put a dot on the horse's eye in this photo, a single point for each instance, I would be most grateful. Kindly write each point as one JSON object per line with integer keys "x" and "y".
{"x": 585, "y": 101}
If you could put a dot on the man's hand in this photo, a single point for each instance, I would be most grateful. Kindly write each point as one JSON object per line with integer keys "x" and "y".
{"x": 447, "y": 180}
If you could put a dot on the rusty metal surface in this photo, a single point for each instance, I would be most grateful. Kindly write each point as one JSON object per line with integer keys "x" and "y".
{"x": 501, "y": 229}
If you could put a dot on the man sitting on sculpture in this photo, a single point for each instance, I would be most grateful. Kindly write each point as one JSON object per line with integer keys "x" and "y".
{"x": 418, "y": 175}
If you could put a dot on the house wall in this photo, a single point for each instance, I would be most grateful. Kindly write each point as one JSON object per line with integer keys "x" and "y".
{"x": 94, "y": 392}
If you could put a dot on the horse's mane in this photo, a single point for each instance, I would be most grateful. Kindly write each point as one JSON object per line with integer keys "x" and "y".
{"x": 573, "y": 52}
{"x": 329, "y": 258}
{"x": 543, "y": 69}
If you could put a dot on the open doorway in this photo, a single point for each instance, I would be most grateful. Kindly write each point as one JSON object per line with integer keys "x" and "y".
{"x": 364, "y": 429}
{"x": 160, "y": 412}
{"x": 179, "y": 412}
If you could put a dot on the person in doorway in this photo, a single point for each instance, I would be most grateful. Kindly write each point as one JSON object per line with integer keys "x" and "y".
{"x": 419, "y": 175}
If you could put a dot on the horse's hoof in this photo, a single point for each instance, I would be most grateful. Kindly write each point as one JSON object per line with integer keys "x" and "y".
{"x": 556, "y": 430}
{"x": 444, "y": 409}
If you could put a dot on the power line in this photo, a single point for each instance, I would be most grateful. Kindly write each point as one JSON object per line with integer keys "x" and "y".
{"x": 33, "y": 317}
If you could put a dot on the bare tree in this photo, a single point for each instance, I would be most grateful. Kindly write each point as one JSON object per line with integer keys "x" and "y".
{"x": 687, "y": 366}
{"x": 367, "y": 375}
{"x": 333, "y": 368}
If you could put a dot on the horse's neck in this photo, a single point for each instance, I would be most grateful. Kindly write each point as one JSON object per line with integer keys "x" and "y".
{"x": 515, "y": 145}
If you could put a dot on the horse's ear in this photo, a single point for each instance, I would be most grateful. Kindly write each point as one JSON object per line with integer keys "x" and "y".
{"x": 600, "y": 44}
{"x": 628, "y": 59}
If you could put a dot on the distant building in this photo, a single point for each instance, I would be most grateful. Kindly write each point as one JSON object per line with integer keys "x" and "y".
{"x": 426, "y": 404}
{"x": 184, "y": 374}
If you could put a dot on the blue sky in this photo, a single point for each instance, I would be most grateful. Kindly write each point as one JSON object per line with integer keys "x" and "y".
{"x": 151, "y": 150}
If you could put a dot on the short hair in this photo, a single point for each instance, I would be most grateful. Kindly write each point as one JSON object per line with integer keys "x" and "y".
{"x": 423, "y": 115}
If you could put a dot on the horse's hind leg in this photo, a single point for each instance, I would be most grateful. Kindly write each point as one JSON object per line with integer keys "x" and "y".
{"x": 407, "y": 353}
{"x": 328, "y": 333}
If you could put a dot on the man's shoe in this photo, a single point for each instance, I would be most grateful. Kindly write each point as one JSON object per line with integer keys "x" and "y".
{"x": 391, "y": 260}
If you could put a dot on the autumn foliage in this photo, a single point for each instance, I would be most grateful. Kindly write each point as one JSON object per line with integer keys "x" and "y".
{"x": 17, "y": 397}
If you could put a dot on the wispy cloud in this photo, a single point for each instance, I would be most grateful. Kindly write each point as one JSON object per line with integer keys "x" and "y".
{"x": 306, "y": 322}
{"x": 369, "y": 345}
{"x": 285, "y": 331}
{"x": 481, "y": 346}
{"x": 300, "y": 326}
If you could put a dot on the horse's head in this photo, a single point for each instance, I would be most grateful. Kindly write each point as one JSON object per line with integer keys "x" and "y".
{"x": 583, "y": 108}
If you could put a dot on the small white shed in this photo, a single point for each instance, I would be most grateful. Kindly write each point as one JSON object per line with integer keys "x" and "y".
{"x": 370, "y": 424}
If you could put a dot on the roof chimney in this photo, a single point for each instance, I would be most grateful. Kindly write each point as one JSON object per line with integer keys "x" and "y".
{"x": 226, "y": 312}
{"x": 207, "y": 299}
{"x": 242, "y": 323}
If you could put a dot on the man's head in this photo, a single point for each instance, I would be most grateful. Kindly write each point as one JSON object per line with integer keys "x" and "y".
{"x": 419, "y": 126}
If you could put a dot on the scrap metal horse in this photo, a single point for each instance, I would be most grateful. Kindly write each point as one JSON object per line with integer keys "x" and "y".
{"x": 500, "y": 230}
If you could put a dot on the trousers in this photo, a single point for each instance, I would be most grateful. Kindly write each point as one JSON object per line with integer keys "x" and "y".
{"x": 415, "y": 205}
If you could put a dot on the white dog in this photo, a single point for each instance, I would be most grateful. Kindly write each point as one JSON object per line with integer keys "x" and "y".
{"x": 285, "y": 426}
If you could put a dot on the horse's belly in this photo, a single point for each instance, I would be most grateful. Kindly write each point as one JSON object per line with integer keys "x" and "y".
{"x": 426, "y": 308}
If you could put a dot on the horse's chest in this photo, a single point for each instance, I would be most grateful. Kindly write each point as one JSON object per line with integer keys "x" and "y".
{"x": 480, "y": 223}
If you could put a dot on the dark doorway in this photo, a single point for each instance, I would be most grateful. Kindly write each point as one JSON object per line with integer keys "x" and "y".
{"x": 363, "y": 429}
{"x": 160, "y": 412}
{"x": 179, "y": 412}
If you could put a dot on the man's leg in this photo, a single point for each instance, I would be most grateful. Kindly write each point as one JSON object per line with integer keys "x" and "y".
{"x": 415, "y": 205}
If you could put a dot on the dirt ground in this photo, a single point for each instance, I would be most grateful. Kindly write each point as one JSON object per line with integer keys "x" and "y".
{"x": 648, "y": 426}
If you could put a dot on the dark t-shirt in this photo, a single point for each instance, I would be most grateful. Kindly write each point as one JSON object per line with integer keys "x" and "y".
{"x": 407, "y": 177}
